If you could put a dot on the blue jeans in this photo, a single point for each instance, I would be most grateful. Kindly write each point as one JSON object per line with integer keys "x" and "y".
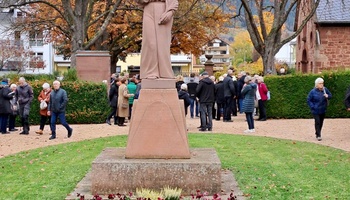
{"x": 206, "y": 110}
{"x": 250, "y": 120}
{"x": 62, "y": 117}
{"x": 240, "y": 105}
{"x": 193, "y": 101}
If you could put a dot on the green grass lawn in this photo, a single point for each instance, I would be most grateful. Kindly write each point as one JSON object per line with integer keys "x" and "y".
{"x": 265, "y": 168}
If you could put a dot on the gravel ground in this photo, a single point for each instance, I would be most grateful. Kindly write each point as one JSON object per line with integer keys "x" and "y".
{"x": 335, "y": 132}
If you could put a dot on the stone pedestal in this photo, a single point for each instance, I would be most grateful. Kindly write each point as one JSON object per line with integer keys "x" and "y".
{"x": 112, "y": 173}
{"x": 158, "y": 125}
{"x": 93, "y": 65}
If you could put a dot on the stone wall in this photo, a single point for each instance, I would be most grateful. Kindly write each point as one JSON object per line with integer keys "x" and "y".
{"x": 321, "y": 47}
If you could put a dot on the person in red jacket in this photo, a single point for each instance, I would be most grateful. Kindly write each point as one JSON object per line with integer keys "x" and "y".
{"x": 263, "y": 95}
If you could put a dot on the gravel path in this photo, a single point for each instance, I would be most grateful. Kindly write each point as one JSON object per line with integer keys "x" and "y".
{"x": 335, "y": 133}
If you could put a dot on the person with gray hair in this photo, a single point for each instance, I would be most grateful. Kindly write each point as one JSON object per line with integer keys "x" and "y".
{"x": 318, "y": 100}
{"x": 183, "y": 94}
{"x": 44, "y": 96}
{"x": 24, "y": 95}
{"x": 248, "y": 93}
{"x": 14, "y": 109}
{"x": 57, "y": 109}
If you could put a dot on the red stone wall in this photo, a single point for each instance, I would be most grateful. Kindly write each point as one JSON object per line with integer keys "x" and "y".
{"x": 332, "y": 53}
{"x": 93, "y": 66}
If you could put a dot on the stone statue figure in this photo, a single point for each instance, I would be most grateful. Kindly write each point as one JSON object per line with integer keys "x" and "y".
{"x": 156, "y": 38}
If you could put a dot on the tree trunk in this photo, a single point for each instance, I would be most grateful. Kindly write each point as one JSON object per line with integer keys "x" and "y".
{"x": 269, "y": 61}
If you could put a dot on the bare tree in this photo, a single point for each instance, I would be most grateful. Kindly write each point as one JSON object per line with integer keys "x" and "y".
{"x": 268, "y": 42}
{"x": 15, "y": 57}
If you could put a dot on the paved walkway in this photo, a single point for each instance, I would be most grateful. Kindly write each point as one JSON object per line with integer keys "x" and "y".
{"x": 335, "y": 133}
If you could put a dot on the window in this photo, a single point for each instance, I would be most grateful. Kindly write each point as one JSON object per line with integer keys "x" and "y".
{"x": 36, "y": 38}
{"x": 17, "y": 38}
{"x": 37, "y": 60}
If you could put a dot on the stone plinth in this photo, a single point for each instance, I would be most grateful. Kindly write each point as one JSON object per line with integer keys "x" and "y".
{"x": 112, "y": 173}
{"x": 93, "y": 65}
{"x": 158, "y": 125}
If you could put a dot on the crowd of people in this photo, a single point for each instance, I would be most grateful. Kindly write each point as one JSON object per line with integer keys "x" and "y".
{"x": 224, "y": 97}
{"x": 206, "y": 98}
{"x": 16, "y": 100}
{"x": 121, "y": 97}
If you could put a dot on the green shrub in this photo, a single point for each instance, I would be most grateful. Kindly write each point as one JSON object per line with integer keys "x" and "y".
{"x": 289, "y": 94}
{"x": 87, "y": 104}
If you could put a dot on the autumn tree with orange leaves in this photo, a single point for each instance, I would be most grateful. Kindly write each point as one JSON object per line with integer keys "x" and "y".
{"x": 115, "y": 25}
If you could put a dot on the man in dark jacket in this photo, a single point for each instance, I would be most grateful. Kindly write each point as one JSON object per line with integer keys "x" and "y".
{"x": 5, "y": 106}
{"x": 192, "y": 86}
{"x": 24, "y": 94}
{"x": 113, "y": 101}
{"x": 57, "y": 108}
{"x": 229, "y": 93}
{"x": 219, "y": 97}
{"x": 205, "y": 92}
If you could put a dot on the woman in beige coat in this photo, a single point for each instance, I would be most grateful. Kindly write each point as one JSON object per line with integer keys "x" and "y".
{"x": 123, "y": 102}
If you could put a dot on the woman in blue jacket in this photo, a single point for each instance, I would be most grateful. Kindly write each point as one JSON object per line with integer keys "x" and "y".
{"x": 318, "y": 101}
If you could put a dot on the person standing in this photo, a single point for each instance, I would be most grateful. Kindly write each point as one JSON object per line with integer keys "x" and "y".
{"x": 219, "y": 98}
{"x": 123, "y": 102}
{"x": 240, "y": 84}
{"x": 183, "y": 94}
{"x": 156, "y": 38}
{"x": 263, "y": 98}
{"x": 44, "y": 96}
{"x": 229, "y": 94}
{"x": 113, "y": 101}
{"x": 5, "y": 106}
{"x": 191, "y": 87}
{"x": 24, "y": 95}
{"x": 179, "y": 82}
{"x": 317, "y": 100}
{"x": 14, "y": 109}
{"x": 132, "y": 86}
{"x": 57, "y": 109}
{"x": 248, "y": 92}
{"x": 206, "y": 95}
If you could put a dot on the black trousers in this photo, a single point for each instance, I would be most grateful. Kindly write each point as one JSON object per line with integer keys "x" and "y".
{"x": 262, "y": 109}
{"x": 43, "y": 120}
{"x": 228, "y": 108}
{"x": 113, "y": 113}
{"x": 319, "y": 123}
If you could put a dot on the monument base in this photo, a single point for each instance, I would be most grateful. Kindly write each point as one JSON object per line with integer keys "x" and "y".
{"x": 112, "y": 173}
{"x": 158, "y": 125}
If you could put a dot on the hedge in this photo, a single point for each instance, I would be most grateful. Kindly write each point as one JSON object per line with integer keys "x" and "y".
{"x": 289, "y": 94}
{"x": 88, "y": 102}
